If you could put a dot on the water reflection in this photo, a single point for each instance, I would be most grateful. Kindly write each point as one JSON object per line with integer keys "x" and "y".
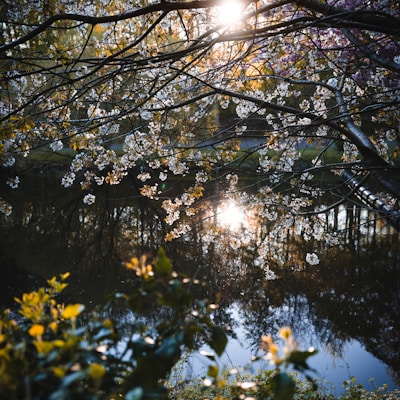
{"x": 353, "y": 294}
{"x": 231, "y": 215}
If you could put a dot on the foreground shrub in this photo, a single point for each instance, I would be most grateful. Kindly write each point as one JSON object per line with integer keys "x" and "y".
{"x": 51, "y": 350}
{"x": 55, "y": 351}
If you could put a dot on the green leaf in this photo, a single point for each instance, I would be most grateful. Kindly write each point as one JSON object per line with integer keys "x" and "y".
{"x": 170, "y": 346}
{"x": 163, "y": 265}
{"x": 212, "y": 371}
{"x": 283, "y": 386}
{"x": 301, "y": 356}
{"x": 218, "y": 339}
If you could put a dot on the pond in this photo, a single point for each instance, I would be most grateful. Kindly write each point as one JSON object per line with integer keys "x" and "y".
{"x": 343, "y": 299}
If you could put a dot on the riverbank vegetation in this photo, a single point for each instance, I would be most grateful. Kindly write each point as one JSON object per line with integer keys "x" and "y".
{"x": 55, "y": 350}
{"x": 258, "y": 387}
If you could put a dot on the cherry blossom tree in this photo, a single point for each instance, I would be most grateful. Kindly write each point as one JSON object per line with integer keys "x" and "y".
{"x": 282, "y": 94}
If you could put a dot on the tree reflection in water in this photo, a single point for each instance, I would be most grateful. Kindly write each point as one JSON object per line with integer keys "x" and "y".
{"x": 353, "y": 293}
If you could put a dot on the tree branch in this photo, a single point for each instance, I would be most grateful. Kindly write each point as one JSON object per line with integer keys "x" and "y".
{"x": 372, "y": 20}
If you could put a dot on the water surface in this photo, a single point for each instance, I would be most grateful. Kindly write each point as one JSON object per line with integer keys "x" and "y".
{"x": 346, "y": 305}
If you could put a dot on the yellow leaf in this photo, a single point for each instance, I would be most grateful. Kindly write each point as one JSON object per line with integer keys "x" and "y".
{"x": 36, "y": 330}
{"x": 53, "y": 326}
{"x": 266, "y": 342}
{"x": 5, "y": 354}
{"x": 134, "y": 264}
{"x": 72, "y": 310}
{"x": 273, "y": 349}
{"x": 65, "y": 276}
{"x": 108, "y": 323}
{"x": 96, "y": 371}
{"x": 51, "y": 281}
{"x": 43, "y": 347}
{"x": 58, "y": 372}
{"x": 285, "y": 332}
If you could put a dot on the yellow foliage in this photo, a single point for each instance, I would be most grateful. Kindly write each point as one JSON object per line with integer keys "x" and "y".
{"x": 285, "y": 332}
{"x": 57, "y": 286}
{"x": 141, "y": 267}
{"x": 65, "y": 276}
{"x": 5, "y": 354}
{"x": 133, "y": 264}
{"x": 58, "y": 343}
{"x": 96, "y": 371}
{"x": 98, "y": 29}
{"x": 53, "y": 326}
{"x": 43, "y": 346}
{"x": 36, "y": 330}
{"x": 108, "y": 323}
{"x": 58, "y": 372}
{"x": 72, "y": 311}
{"x": 32, "y": 304}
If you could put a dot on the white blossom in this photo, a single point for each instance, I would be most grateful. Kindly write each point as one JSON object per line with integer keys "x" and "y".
{"x": 68, "y": 179}
{"x": 304, "y": 121}
{"x": 312, "y": 259}
{"x": 146, "y": 115}
{"x": 304, "y": 105}
{"x": 78, "y": 162}
{"x": 56, "y": 145}
{"x": 155, "y": 164}
{"x": 104, "y": 159}
{"x": 5, "y": 208}
{"x": 89, "y": 199}
{"x": 13, "y": 182}
{"x": 163, "y": 176}
{"x": 150, "y": 191}
{"x": 239, "y": 130}
{"x": 201, "y": 177}
{"x": 269, "y": 274}
{"x": 99, "y": 179}
{"x": 232, "y": 179}
{"x": 144, "y": 176}
{"x": 8, "y": 160}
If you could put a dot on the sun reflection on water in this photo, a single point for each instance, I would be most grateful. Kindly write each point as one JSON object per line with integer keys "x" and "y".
{"x": 231, "y": 216}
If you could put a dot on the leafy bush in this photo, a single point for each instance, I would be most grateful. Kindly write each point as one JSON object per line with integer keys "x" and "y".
{"x": 56, "y": 351}
{"x": 281, "y": 383}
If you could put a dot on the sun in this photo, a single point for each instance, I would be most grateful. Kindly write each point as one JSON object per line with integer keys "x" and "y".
{"x": 230, "y": 12}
